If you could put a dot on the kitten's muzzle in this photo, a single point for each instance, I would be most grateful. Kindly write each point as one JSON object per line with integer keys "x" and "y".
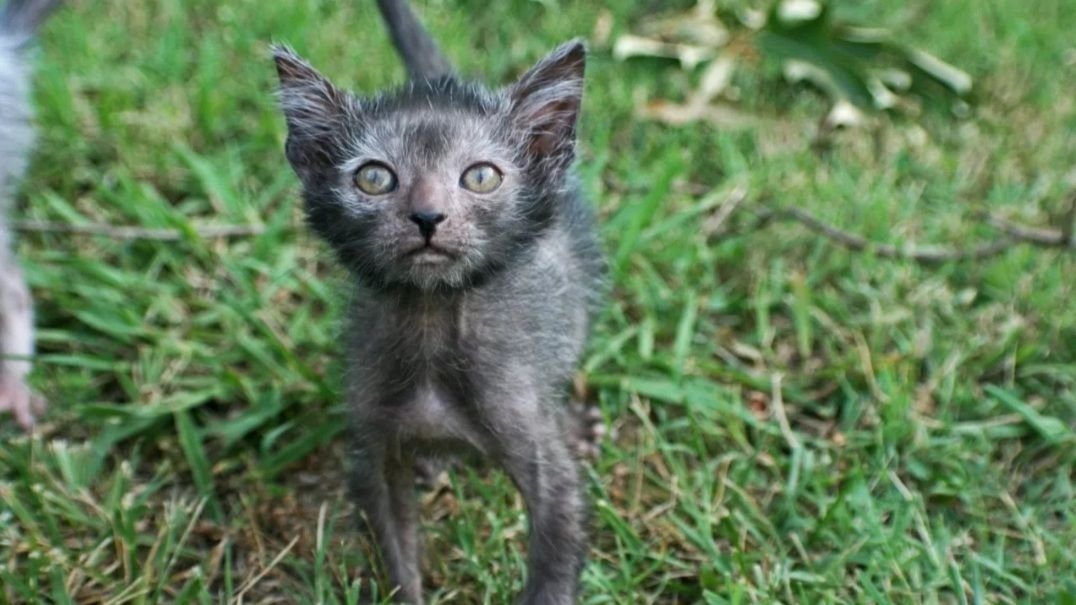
{"x": 427, "y": 222}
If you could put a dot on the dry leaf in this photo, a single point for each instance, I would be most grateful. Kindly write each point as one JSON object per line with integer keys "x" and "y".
{"x": 791, "y": 11}
{"x": 957, "y": 79}
{"x": 677, "y": 114}
{"x": 715, "y": 78}
{"x": 630, "y": 45}
{"x": 603, "y": 28}
{"x": 856, "y": 65}
{"x": 844, "y": 114}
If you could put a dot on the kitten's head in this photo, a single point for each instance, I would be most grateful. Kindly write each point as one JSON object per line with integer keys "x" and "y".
{"x": 440, "y": 183}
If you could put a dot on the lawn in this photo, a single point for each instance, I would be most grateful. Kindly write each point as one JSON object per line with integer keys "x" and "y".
{"x": 790, "y": 421}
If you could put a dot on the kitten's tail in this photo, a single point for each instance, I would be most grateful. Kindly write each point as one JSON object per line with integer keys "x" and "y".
{"x": 21, "y": 18}
{"x": 420, "y": 54}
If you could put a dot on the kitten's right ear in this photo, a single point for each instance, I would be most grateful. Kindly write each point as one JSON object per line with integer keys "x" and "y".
{"x": 313, "y": 107}
{"x": 546, "y": 102}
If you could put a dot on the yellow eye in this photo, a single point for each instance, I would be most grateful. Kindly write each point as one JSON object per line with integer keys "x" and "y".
{"x": 481, "y": 178}
{"x": 375, "y": 179}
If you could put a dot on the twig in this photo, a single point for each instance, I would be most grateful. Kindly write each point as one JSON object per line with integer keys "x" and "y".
{"x": 927, "y": 255}
{"x": 1013, "y": 235}
{"x": 1034, "y": 235}
{"x": 779, "y": 412}
{"x": 135, "y": 233}
{"x": 1068, "y": 224}
{"x": 716, "y": 222}
{"x": 238, "y": 599}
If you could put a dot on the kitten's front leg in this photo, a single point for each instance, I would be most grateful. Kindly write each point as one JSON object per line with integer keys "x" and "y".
{"x": 529, "y": 443}
{"x": 16, "y": 342}
{"x": 384, "y": 489}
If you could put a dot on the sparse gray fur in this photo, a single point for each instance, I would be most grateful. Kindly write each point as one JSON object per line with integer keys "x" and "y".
{"x": 18, "y": 22}
{"x": 470, "y": 309}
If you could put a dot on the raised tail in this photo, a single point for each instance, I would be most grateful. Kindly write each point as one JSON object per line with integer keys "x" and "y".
{"x": 21, "y": 18}
{"x": 420, "y": 54}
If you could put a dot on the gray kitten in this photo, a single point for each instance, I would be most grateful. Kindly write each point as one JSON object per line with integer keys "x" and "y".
{"x": 18, "y": 22}
{"x": 476, "y": 270}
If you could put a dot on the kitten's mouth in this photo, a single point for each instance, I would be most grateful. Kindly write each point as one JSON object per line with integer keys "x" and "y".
{"x": 431, "y": 253}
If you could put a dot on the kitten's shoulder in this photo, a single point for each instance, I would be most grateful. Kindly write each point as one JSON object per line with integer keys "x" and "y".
{"x": 578, "y": 221}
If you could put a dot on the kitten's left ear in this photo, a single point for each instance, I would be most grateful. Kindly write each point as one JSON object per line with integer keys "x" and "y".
{"x": 546, "y": 102}
{"x": 311, "y": 104}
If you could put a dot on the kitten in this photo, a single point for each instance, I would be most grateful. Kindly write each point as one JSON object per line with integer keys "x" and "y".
{"x": 476, "y": 269}
{"x": 18, "y": 22}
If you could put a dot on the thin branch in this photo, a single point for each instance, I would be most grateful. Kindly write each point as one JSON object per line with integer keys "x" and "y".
{"x": 716, "y": 222}
{"x": 928, "y": 255}
{"x": 1031, "y": 235}
{"x": 238, "y": 599}
{"x": 136, "y": 233}
{"x": 1068, "y": 225}
{"x": 779, "y": 412}
{"x": 1013, "y": 234}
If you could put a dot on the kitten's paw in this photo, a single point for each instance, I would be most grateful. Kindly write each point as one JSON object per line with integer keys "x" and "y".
{"x": 586, "y": 429}
{"x": 17, "y": 398}
{"x": 431, "y": 472}
{"x": 428, "y": 471}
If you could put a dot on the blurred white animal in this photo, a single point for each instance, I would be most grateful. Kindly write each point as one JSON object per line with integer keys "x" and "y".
{"x": 18, "y": 22}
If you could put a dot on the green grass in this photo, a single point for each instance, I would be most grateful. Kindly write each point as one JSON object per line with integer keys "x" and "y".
{"x": 792, "y": 422}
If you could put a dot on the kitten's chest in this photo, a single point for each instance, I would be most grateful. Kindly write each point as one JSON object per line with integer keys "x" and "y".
{"x": 434, "y": 416}
{"x": 429, "y": 338}
{"x": 414, "y": 345}
{"x": 427, "y": 377}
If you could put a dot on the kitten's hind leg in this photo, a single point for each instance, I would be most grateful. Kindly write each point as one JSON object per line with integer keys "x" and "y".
{"x": 16, "y": 341}
{"x": 384, "y": 488}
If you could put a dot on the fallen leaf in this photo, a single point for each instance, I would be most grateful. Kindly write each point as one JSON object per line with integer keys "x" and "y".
{"x": 958, "y": 80}
{"x": 715, "y": 78}
{"x": 603, "y": 28}
{"x": 679, "y": 114}
{"x": 844, "y": 115}
{"x": 791, "y": 11}
{"x": 630, "y": 45}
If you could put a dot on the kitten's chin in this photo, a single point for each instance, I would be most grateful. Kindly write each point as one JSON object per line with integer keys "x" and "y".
{"x": 434, "y": 268}
{"x": 437, "y": 275}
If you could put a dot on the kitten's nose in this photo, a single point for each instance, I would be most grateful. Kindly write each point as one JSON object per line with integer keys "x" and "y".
{"x": 427, "y": 222}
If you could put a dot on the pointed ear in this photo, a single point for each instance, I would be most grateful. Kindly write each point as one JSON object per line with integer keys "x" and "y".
{"x": 311, "y": 104}
{"x": 546, "y": 102}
